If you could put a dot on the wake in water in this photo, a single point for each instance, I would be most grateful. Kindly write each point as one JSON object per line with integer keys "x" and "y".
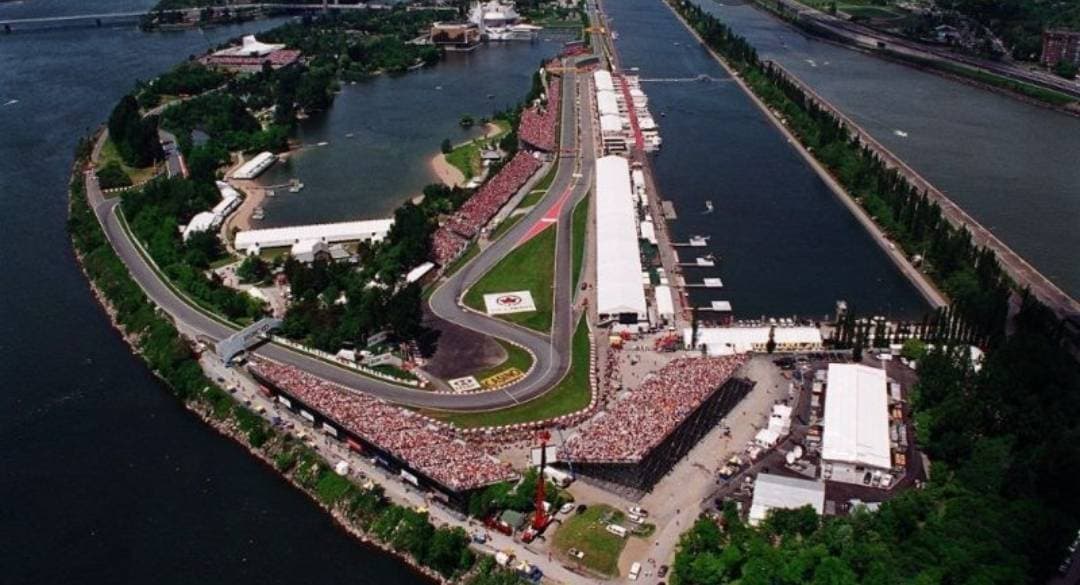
{"x": 11, "y": 102}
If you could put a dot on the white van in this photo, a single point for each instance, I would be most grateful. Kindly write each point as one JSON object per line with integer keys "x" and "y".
{"x": 635, "y": 570}
{"x": 617, "y": 530}
{"x": 558, "y": 477}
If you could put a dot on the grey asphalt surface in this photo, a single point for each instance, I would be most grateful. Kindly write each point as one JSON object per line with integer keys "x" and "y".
{"x": 575, "y": 173}
{"x": 552, "y": 353}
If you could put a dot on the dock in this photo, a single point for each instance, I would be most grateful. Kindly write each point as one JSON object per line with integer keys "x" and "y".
{"x": 669, "y": 210}
{"x": 700, "y": 262}
{"x": 706, "y": 283}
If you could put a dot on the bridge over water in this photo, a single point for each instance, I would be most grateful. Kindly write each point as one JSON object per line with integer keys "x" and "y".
{"x": 113, "y": 17}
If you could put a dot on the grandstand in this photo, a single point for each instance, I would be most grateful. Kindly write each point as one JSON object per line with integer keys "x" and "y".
{"x": 639, "y": 439}
{"x": 398, "y": 439}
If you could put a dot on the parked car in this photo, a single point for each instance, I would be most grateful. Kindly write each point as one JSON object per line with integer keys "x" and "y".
{"x": 638, "y": 511}
{"x": 567, "y": 508}
{"x": 662, "y": 571}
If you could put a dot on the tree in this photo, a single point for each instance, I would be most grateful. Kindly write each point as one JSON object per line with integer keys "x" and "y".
{"x": 253, "y": 269}
{"x": 770, "y": 345}
{"x": 1066, "y": 69}
{"x": 467, "y": 121}
{"x": 446, "y": 146}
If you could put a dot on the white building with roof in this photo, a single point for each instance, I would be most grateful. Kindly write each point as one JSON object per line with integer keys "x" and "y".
{"x": 855, "y": 441}
{"x": 619, "y": 293}
{"x": 249, "y": 47}
{"x": 255, "y": 166}
{"x": 603, "y": 80}
{"x": 719, "y": 341}
{"x": 773, "y": 492}
{"x": 303, "y": 237}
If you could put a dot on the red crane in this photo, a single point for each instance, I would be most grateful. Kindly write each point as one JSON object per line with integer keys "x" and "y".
{"x": 540, "y": 518}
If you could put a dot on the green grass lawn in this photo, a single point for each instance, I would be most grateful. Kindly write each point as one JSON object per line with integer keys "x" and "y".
{"x": 570, "y": 395}
{"x": 466, "y": 158}
{"x": 515, "y": 358}
{"x": 579, "y": 223}
{"x": 531, "y": 267}
{"x": 109, "y": 154}
{"x": 586, "y": 532}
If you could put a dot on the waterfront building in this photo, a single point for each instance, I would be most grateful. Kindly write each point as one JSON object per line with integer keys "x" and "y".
{"x": 773, "y": 492}
{"x": 855, "y": 441}
{"x": 455, "y": 35}
{"x": 738, "y": 340}
{"x": 620, "y": 297}
{"x": 250, "y": 56}
{"x": 302, "y": 238}
{"x": 255, "y": 166}
{"x": 1060, "y": 45}
{"x": 212, "y": 220}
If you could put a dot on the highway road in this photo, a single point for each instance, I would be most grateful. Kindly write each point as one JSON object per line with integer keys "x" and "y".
{"x": 552, "y": 353}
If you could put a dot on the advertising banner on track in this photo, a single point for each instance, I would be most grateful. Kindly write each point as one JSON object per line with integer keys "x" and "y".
{"x": 507, "y": 376}
{"x": 510, "y": 302}
{"x": 464, "y": 384}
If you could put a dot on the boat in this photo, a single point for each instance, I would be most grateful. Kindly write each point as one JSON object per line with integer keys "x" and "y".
{"x": 349, "y": 135}
{"x": 323, "y": 143}
{"x": 699, "y": 241}
{"x": 295, "y": 186}
{"x": 259, "y": 213}
{"x": 271, "y": 193}
{"x": 708, "y": 207}
{"x": 900, "y": 133}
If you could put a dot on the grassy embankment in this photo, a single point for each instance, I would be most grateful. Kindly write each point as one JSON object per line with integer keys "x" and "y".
{"x": 531, "y": 267}
{"x": 516, "y": 357}
{"x": 586, "y": 532}
{"x": 570, "y": 395}
{"x": 465, "y": 157}
{"x": 579, "y": 224}
{"x": 109, "y": 155}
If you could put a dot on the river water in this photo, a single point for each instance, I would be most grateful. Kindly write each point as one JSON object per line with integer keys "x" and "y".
{"x": 1013, "y": 166}
{"x": 380, "y": 135}
{"x": 104, "y": 478}
{"x": 786, "y": 245}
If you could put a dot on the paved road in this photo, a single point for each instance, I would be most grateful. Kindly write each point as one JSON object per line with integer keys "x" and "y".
{"x": 574, "y": 174}
{"x": 552, "y": 353}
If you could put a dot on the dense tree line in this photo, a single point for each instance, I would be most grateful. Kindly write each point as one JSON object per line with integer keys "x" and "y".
{"x": 155, "y": 214}
{"x": 135, "y": 137}
{"x": 189, "y": 78}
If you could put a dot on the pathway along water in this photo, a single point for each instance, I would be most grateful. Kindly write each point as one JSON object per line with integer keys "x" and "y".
{"x": 1013, "y": 166}
{"x": 786, "y": 243}
{"x": 106, "y": 479}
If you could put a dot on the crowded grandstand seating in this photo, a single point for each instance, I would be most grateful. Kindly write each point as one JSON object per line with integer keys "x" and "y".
{"x": 398, "y": 431}
{"x": 538, "y": 125}
{"x": 450, "y": 239}
{"x": 639, "y": 422}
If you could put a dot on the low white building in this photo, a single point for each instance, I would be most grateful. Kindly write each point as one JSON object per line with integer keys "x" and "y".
{"x": 254, "y": 241}
{"x": 778, "y": 492}
{"x": 737, "y": 340}
{"x": 255, "y": 166}
{"x": 212, "y": 220}
{"x": 855, "y": 440}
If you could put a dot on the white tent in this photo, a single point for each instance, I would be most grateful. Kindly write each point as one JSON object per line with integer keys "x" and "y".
{"x": 856, "y": 417}
{"x": 618, "y": 261}
{"x": 776, "y": 491}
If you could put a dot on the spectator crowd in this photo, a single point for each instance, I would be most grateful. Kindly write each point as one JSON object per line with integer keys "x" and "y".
{"x": 452, "y": 237}
{"x": 399, "y": 432}
{"x": 538, "y": 123}
{"x": 640, "y": 421}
